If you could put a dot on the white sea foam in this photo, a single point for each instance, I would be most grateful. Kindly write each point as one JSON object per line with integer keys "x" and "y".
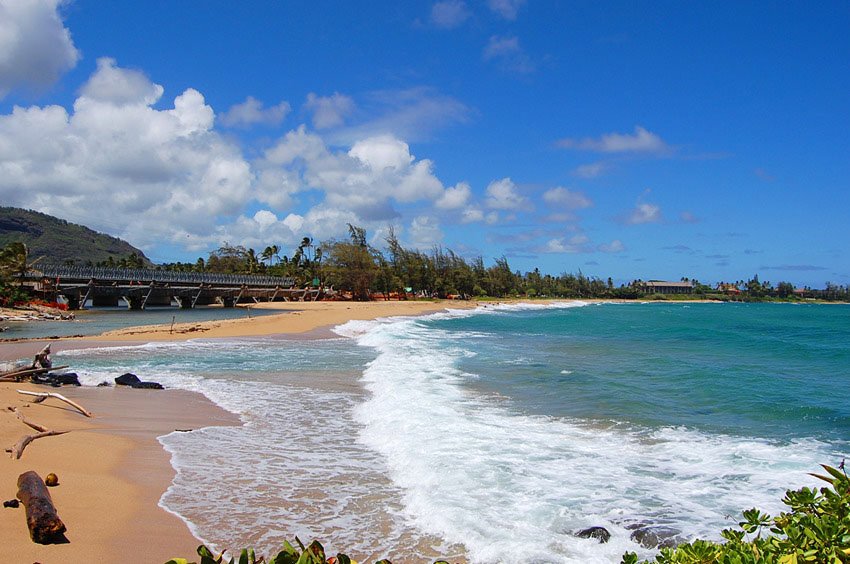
{"x": 514, "y": 488}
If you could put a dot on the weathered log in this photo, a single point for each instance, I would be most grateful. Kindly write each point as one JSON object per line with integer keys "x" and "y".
{"x": 16, "y": 375}
{"x": 42, "y": 520}
{"x": 60, "y": 397}
{"x": 18, "y": 448}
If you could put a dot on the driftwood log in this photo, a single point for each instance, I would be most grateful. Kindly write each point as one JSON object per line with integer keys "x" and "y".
{"x": 18, "y": 448}
{"x": 44, "y": 524}
{"x": 17, "y": 375}
{"x": 45, "y": 395}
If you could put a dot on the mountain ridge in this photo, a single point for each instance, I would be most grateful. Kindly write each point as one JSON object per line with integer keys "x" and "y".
{"x": 60, "y": 241}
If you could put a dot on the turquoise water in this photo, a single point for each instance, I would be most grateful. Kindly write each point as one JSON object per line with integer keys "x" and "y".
{"x": 95, "y": 321}
{"x": 495, "y": 434}
{"x": 762, "y": 370}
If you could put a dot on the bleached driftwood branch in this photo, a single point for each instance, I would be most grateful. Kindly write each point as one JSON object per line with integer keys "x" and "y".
{"x": 25, "y": 421}
{"x": 45, "y": 395}
{"x": 18, "y": 449}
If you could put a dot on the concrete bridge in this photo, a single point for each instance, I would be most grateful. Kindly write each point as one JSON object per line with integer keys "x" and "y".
{"x": 139, "y": 288}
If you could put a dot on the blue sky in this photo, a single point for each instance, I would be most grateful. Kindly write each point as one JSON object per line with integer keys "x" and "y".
{"x": 648, "y": 140}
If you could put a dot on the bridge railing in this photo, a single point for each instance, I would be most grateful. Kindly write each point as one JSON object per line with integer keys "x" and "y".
{"x": 148, "y": 275}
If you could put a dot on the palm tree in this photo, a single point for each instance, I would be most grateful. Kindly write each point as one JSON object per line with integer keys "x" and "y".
{"x": 14, "y": 260}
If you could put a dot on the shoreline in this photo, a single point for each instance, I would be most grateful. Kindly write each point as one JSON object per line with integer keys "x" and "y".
{"x": 112, "y": 469}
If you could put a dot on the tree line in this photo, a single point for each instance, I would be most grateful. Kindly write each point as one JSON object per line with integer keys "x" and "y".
{"x": 356, "y": 268}
{"x": 364, "y": 271}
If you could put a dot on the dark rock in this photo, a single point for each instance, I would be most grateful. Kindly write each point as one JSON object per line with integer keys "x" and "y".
{"x": 127, "y": 379}
{"x": 11, "y": 503}
{"x": 104, "y": 384}
{"x": 599, "y": 533}
{"x": 67, "y": 379}
{"x": 649, "y": 536}
{"x": 148, "y": 386}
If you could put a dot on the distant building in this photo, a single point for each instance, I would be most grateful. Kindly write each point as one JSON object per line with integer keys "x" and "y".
{"x": 663, "y": 287}
{"x": 728, "y": 289}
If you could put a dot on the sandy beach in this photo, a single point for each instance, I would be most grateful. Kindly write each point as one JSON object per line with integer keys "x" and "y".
{"x": 111, "y": 469}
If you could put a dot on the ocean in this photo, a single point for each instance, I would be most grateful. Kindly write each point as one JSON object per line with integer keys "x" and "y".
{"x": 493, "y": 435}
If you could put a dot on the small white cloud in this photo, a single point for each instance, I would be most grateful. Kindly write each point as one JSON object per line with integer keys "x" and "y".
{"x": 573, "y": 245}
{"x": 251, "y": 112}
{"x": 35, "y": 46}
{"x": 566, "y": 199}
{"x": 502, "y": 195}
{"x": 265, "y": 218}
{"x": 615, "y": 246}
{"x": 590, "y": 170}
{"x": 508, "y": 52}
{"x": 329, "y": 111}
{"x": 641, "y": 141}
{"x": 454, "y": 197}
{"x": 120, "y": 86}
{"x": 506, "y": 8}
{"x": 644, "y": 213}
{"x": 382, "y": 152}
{"x": 449, "y": 14}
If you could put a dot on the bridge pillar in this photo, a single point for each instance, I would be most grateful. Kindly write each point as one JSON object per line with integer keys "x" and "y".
{"x": 134, "y": 303}
{"x": 73, "y": 301}
{"x": 184, "y": 302}
{"x": 227, "y": 301}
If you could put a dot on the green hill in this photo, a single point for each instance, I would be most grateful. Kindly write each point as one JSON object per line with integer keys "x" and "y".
{"x": 59, "y": 241}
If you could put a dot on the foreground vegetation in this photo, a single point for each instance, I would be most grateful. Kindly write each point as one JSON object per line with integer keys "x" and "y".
{"x": 816, "y": 529}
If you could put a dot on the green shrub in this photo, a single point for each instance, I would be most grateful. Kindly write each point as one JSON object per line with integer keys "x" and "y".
{"x": 817, "y": 529}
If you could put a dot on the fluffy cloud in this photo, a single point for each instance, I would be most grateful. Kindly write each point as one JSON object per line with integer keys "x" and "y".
{"x": 449, "y": 14}
{"x": 366, "y": 180}
{"x": 502, "y": 195}
{"x": 329, "y": 111}
{"x": 642, "y": 141}
{"x": 35, "y": 47}
{"x": 575, "y": 244}
{"x": 455, "y": 197}
{"x": 251, "y": 112}
{"x": 644, "y": 213}
{"x": 119, "y": 165}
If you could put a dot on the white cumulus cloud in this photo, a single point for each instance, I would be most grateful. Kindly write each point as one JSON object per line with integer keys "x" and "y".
{"x": 151, "y": 169}
{"x": 502, "y": 195}
{"x": 454, "y": 197}
{"x": 35, "y": 46}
